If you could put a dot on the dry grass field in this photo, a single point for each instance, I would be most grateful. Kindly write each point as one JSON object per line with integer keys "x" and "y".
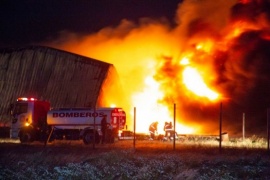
{"x": 191, "y": 159}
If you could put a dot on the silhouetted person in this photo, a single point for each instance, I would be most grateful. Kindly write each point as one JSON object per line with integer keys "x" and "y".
{"x": 166, "y": 127}
{"x": 153, "y": 130}
{"x": 168, "y": 130}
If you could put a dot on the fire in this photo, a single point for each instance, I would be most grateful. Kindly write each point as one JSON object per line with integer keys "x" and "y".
{"x": 148, "y": 109}
{"x": 193, "y": 74}
{"x": 237, "y": 28}
{"x": 158, "y": 65}
{"x": 196, "y": 84}
{"x": 206, "y": 46}
{"x": 184, "y": 61}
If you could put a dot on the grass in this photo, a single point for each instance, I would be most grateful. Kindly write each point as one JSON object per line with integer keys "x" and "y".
{"x": 191, "y": 159}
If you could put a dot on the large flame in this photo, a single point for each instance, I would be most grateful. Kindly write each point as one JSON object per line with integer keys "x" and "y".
{"x": 196, "y": 84}
{"x": 160, "y": 66}
{"x": 149, "y": 110}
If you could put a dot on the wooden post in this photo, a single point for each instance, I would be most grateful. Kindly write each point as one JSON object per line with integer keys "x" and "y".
{"x": 220, "y": 127}
{"x": 134, "y": 138}
{"x": 174, "y": 116}
{"x": 243, "y": 128}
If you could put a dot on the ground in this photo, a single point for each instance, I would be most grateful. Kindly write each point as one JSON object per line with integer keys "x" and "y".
{"x": 125, "y": 160}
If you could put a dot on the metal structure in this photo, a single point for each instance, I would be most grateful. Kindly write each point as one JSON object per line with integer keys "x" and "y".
{"x": 63, "y": 78}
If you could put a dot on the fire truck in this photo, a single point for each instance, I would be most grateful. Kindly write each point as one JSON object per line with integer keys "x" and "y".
{"x": 34, "y": 120}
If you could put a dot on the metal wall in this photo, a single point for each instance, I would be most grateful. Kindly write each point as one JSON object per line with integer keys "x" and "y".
{"x": 63, "y": 78}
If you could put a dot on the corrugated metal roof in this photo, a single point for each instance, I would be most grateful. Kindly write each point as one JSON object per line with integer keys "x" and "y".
{"x": 65, "y": 79}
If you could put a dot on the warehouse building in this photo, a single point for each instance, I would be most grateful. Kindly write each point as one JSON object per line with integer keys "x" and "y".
{"x": 63, "y": 78}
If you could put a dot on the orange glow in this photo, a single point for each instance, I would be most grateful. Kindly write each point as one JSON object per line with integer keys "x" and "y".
{"x": 239, "y": 27}
{"x": 112, "y": 105}
{"x": 137, "y": 59}
{"x": 184, "y": 61}
{"x": 159, "y": 65}
{"x": 196, "y": 84}
{"x": 205, "y": 46}
{"x": 149, "y": 110}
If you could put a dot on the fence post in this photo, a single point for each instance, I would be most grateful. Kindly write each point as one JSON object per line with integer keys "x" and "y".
{"x": 243, "y": 128}
{"x": 134, "y": 138}
{"x": 268, "y": 131}
{"x": 220, "y": 127}
{"x": 174, "y": 116}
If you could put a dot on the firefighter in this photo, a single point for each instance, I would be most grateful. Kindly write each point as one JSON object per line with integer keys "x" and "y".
{"x": 166, "y": 130}
{"x": 104, "y": 128}
{"x": 153, "y": 130}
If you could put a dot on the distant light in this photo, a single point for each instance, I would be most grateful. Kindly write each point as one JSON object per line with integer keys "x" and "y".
{"x": 22, "y": 99}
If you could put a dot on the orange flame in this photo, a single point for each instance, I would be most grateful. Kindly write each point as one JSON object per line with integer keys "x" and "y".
{"x": 153, "y": 84}
{"x": 195, "y": 83}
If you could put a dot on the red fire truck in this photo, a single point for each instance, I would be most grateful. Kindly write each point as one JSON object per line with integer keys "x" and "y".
{"x": 33, "y": 120}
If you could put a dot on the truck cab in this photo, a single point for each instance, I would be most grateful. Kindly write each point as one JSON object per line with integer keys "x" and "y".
{"x": 27, "y": 115}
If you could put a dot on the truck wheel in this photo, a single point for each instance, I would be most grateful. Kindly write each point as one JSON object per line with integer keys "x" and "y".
{"x": 26, "y": 137}
{"x": 88, "y": 137}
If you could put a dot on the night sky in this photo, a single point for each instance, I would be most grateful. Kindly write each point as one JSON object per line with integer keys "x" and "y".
{"x": 29, "y": 22}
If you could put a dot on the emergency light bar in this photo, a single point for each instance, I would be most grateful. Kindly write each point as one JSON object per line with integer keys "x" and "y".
{"x": 26, "y": 99}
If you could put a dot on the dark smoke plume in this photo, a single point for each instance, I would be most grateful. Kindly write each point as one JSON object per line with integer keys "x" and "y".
{"x": 243, "y": 71}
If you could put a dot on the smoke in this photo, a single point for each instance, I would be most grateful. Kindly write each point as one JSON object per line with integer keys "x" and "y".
{"x": 240, "y": 63}
{"x": 236, "y": 64}
{"x": 213, "y": 13}
{"x": 246, "y": 66}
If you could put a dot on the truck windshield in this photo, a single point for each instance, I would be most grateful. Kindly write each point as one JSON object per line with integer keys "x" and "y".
{"x": 20, "y": 108}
